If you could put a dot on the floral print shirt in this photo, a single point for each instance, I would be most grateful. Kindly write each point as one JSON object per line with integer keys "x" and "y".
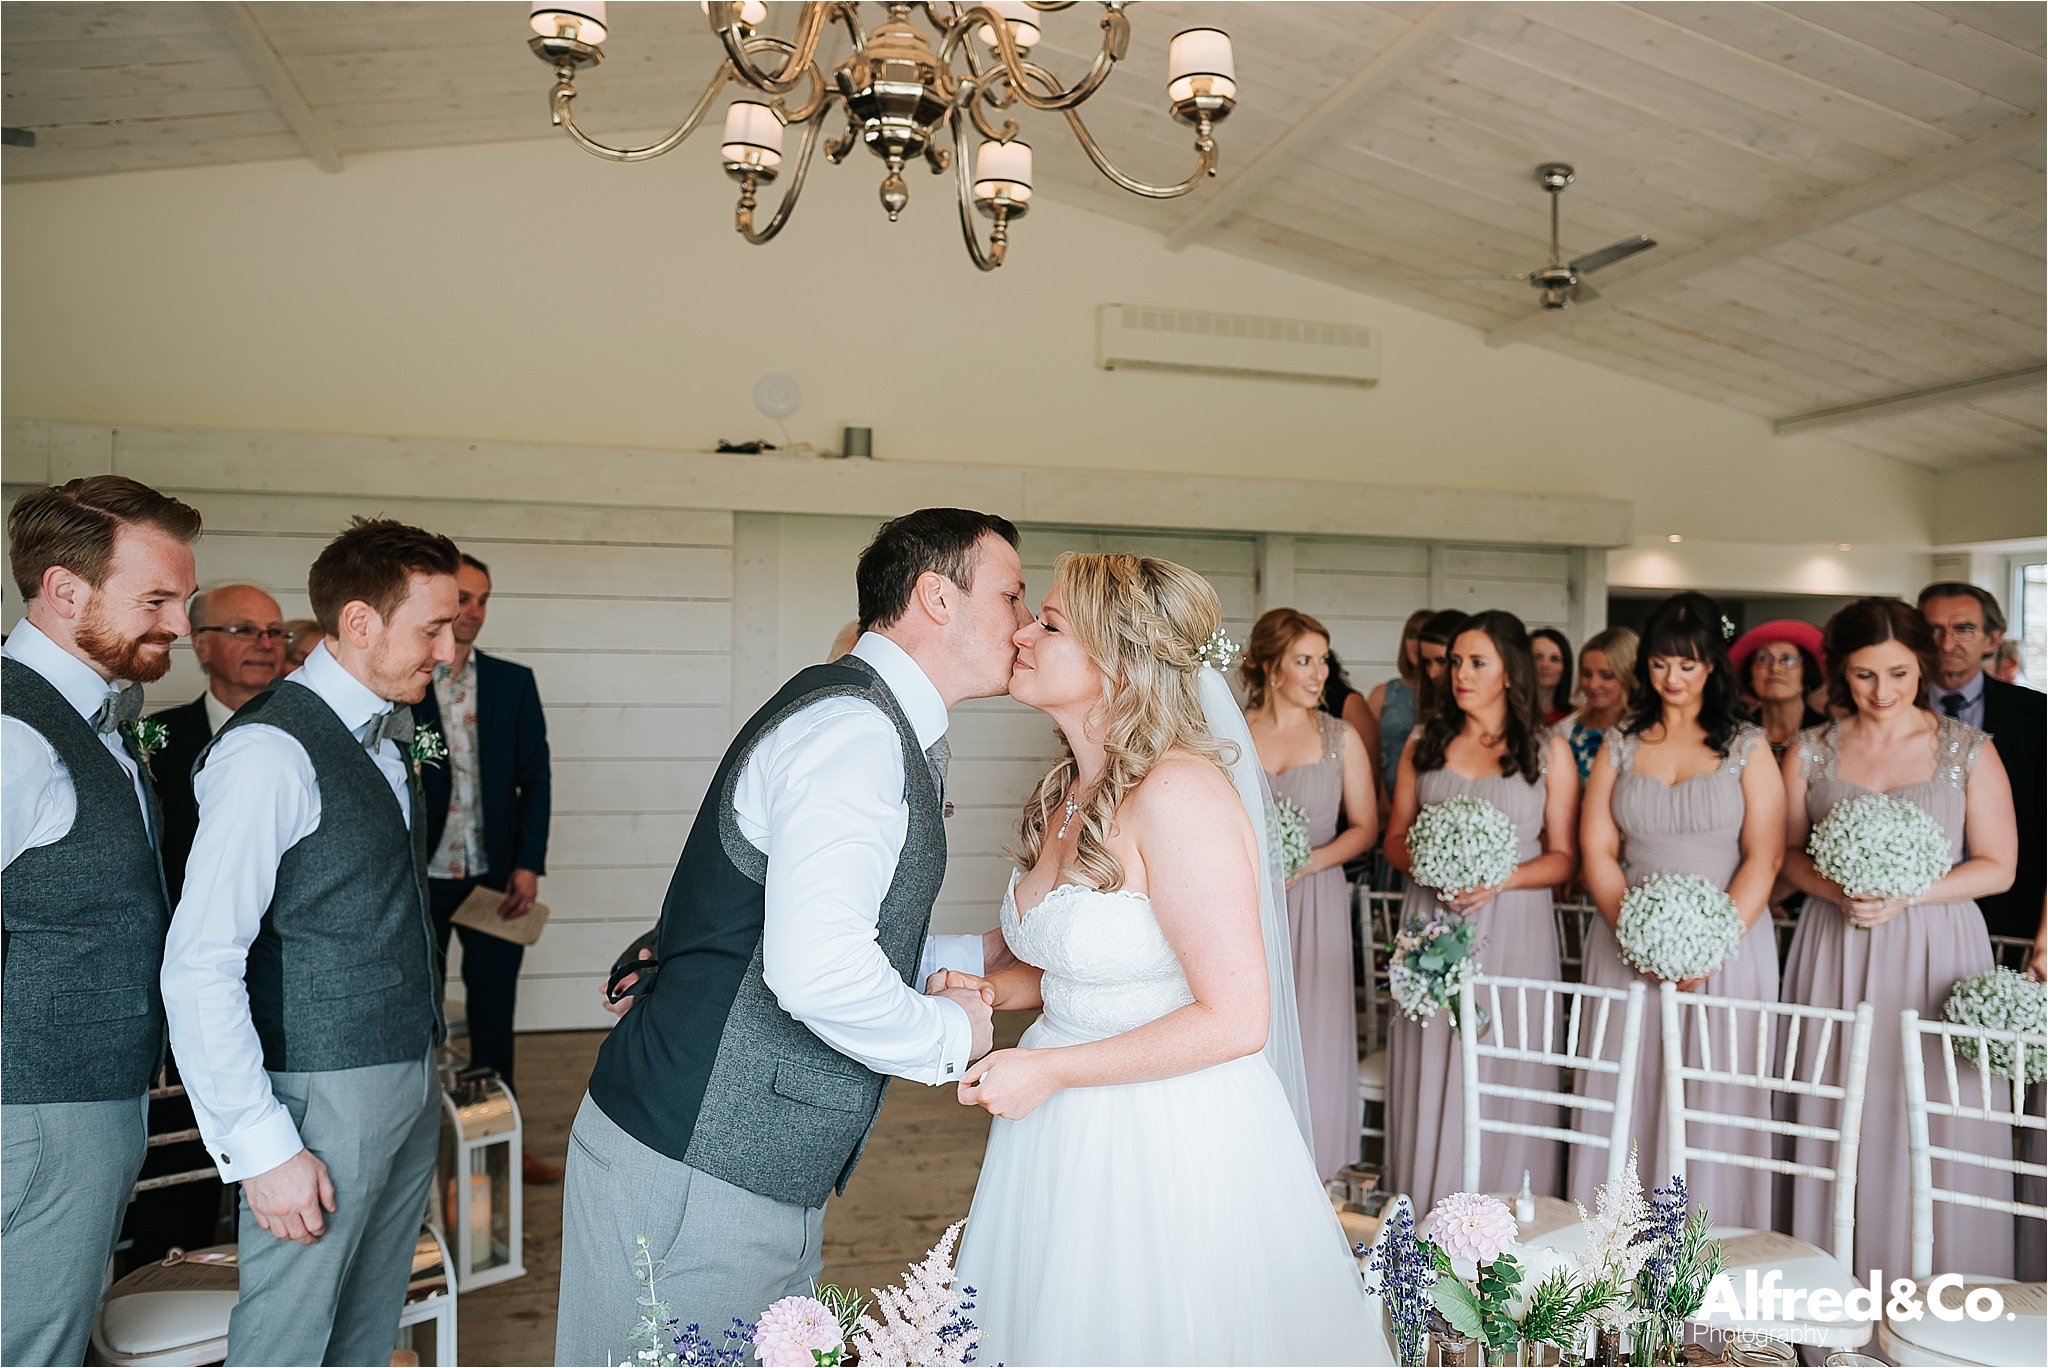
{"x": 461, "y": 852}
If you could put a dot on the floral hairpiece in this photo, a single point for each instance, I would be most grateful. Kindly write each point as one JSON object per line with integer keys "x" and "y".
{"x": 1727, "y": 628}
{"x": 1218, "y": 652}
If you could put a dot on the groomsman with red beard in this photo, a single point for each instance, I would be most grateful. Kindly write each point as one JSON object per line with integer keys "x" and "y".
{"x": 105, "y": 565}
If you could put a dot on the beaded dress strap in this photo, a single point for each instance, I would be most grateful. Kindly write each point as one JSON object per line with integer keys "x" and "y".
{"x": 1621, "y": 753}
{"x": 1747, "y": 735}
{"x": 1957, "y": 745}
{"x": 1332, "y": 732}
{"x": 1817, "y": 755}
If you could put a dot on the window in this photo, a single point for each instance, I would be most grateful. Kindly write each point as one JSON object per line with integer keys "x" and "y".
{"x": 2029, "y": 620}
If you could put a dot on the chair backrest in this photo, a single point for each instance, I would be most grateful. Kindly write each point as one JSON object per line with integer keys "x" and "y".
{"x": 1773, "y": 1067}
{"x": 1574, "y": 921}
{"x": 1919, "y": 1106}
{"x": 1548, "y": 1024}
{"x": 2013, "y": 952}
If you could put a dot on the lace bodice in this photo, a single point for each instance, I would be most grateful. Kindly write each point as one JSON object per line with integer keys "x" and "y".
{"x": 1108, "y": 967}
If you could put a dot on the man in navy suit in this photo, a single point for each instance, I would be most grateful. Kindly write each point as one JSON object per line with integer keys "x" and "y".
{"x": 487, "y": 818}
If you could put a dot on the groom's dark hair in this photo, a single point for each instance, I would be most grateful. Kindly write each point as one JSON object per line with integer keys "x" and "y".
{"x": 941, "y": 540}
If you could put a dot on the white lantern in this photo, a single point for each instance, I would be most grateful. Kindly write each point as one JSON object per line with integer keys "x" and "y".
{"x": 1003, "y": 170}
{"x": 582, "y": 20}
{"x": 1018, "y": 17}
{"x": 479, "y": 1176}
{"x": 1198, "y": 55}
{"x": 752, "y": 12}
{"x": 753, "y": 136}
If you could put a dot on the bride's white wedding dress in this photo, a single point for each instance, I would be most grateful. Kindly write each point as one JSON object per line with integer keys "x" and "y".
{"x": 1178, "y": 1221}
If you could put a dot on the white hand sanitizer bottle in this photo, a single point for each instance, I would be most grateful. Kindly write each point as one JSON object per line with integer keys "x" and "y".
{"x": 1525, "y": 1202}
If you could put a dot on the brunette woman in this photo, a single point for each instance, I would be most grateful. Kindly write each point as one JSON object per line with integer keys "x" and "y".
{"x": 1778, "y": 665}
{"x": 1896, "y": 953}
{"x": 1484, "y": 741}
{"x": 1607, "y": 685}
{"x": 1318, "y": 763}
{"x": 1552, "y": 652}
{"x": 1392, "y": 705}
{"x": 1685, "y": 787}
{"x": 1432, "y": 651}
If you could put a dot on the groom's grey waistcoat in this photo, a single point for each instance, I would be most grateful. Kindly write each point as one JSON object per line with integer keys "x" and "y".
{"x": 707, "y": 1068}
{"x": 342, "y": 974}
{"x": 83, "y": 946}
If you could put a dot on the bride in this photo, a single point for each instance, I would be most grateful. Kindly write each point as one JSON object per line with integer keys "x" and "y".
{"x": 1147, "y": 1195}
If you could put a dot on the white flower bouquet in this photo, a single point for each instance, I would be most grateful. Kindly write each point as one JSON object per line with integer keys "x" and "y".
{"x": 1877, "y": 846}
{"x": 1426, "y": 965}
{"x": 1462, "y": 843}
{"x": 2001, "y": 1001}
{"x": 1287, "y": 834}
{"x": 1678, "y": 927}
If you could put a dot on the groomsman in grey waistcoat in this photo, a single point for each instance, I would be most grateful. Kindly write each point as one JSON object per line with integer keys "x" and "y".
{"x": 105, "y": 565}
{"x": 783, "y": 989}
{"x": 300, "y": 975}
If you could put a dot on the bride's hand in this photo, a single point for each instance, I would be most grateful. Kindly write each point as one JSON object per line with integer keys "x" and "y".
{"x": 1011, "y": 1083}
{"x": 945, "y": 980}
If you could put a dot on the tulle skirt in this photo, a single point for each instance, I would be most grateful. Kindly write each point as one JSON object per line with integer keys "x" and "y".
{"x": 1179, "y": 1221}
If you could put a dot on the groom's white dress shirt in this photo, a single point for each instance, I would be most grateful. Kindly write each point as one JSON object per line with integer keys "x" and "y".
{"x": 822, "y": 795}
{"x": 258, "y": 798}
{"x": 38, "y": 801}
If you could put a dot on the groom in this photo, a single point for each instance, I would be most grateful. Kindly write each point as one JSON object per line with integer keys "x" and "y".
{"x": 731, "y": 1102}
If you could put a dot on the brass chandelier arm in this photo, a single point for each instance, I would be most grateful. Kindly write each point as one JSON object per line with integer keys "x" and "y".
{"x": 743, "y": 217}
{"x": 999, "y": 237}
{"x": 1205, "y": 161}
{"x": 565, "y": 91}
{"x": 739, "y": 44}
{"x": 1116, "y": 37}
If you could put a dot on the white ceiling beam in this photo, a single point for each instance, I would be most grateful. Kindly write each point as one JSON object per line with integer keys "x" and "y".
{"x": 1331, "y": 114}
{"x": 1912, "y": 401}
{"x": 245, "y": 34}
{"x": 1936, "y": 168}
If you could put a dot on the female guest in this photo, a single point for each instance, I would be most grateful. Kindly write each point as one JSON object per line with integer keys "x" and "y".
{"x": 1892, "y": 953}
{"x": 1685, "y": 787}
{"x": 1432, "y": 652}
{"x": 1607, "y": 688}
{"x": 1392, "y": 705}
{"x": 1318, "y": 763}
{"x": 1483, "y": 742}
{"x": 1552, "y": 652}
{"x": 1778, "y": 665}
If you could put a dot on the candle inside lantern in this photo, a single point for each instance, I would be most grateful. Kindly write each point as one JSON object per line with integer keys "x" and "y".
{"x": 753, "y": 135}
{"x": 1197, "y": 55}
{"x": 582, "y": 20}
{"x": 1003, "y": 170}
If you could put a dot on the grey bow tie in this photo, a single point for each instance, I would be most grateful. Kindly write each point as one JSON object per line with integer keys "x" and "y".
{"x": 940, "y": 756}
{"x": 121, "y": 706}
{"x": 396, "y": 724}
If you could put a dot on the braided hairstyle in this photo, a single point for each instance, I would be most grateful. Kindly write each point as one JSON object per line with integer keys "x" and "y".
{"x": 1144, "y": 622}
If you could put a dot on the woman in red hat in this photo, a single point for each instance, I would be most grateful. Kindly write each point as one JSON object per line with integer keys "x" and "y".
{"x": 1778, "y": 665}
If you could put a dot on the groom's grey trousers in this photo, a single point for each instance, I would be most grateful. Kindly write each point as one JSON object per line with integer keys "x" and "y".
{"x": 722, "y": 1252}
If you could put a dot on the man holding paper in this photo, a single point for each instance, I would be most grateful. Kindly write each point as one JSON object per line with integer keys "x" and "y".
{"x": 487, "y": 824}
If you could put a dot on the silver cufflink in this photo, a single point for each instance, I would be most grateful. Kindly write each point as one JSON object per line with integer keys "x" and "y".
{"x": 949, "y": 808}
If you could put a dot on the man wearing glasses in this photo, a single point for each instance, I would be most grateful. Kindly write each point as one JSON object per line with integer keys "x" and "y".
{"x": 238, "y": 636}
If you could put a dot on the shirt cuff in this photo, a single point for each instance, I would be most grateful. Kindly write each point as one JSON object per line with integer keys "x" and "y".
{"x": 949, "y": 952}
{"x": 957, "y": 1049}
{"x": 258, "y": 1148}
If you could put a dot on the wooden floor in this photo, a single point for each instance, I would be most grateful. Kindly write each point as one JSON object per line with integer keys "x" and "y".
{"x": 916, "y": 1178}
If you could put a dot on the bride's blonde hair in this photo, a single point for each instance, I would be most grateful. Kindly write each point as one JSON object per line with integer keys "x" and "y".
{"x": 1144, "y": 622}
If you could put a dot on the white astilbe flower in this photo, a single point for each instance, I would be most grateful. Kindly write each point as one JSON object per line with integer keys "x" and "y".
{"x": 923, "y": 1322}
{"x": 1462, "y": 843}
{"x": 1878, "y": 846}
{"x": 1678, "y": 927}
{"x": 1613, "y": 1255}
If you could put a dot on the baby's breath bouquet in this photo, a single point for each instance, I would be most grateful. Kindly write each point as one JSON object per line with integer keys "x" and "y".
{"x": 1678, "y": 927}
{"x": 2001, "y": 1001}
{"x": 1462, "y": 843}
{"x": 1877, "y": 846}
{"x": 1287, "y": 833}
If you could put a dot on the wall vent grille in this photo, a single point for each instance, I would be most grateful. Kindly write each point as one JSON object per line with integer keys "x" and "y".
{"x": 1146, "y": 337}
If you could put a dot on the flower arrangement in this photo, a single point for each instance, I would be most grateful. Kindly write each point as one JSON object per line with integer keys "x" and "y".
{"x": 1287, "y": 833}
{"x": 1878, "y": 846}
{"x": 1617, "y": 1246}
{"x": 1462, "y": 843}
{"x": 1407, "y": 1274}
{"x": 1426, "y": 965}
{"x": 1478, "y": 1232}
{"x": 923, "y": 1321}
{"x": 798, "y": 1332}
{"x": 1219, "y": 652}
{"x": 1672, "y": 1285}
{"x": 1678, "y": 927}
{"x": 2001, "y": 1001}
{"x": 666, "y": 1343}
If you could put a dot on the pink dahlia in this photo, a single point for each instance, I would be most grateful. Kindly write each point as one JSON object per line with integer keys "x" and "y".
{"x": 794, "y": 1331}
{"x": 1471, "y": 1225}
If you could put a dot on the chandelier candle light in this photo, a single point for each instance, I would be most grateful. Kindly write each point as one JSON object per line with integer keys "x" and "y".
{"x": 901, "y": 95}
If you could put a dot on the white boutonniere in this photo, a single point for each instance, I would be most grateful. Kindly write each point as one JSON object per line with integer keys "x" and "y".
{"x": 148, "y": 736}
{"x": 427, "y": 749}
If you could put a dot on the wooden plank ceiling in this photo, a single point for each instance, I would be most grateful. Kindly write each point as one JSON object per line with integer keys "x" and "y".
{"x": 1384, "y": 147}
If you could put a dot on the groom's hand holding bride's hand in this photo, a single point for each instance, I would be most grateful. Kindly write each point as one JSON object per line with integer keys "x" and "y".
{"x": 976, "y": 997}
{"x": 1012, "y": 1083}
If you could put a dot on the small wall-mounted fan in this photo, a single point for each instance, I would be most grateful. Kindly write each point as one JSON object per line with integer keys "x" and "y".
{"x": 1561, "y": 281}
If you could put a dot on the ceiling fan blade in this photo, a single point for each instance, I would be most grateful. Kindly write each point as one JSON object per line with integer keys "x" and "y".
{"x": 1613, "y": 252}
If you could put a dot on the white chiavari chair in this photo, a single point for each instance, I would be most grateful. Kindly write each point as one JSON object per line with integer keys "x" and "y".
{"x": 1379, "y": 913}
{"x": 2001, "y": 1100}
{"x": 1549, "y": 1022}
{"x": 1783, "y": 1031}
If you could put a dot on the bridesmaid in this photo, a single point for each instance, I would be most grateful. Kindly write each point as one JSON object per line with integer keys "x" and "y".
{"x": 1392, "y": 705}
{"x": 1318, "y": 762}
{"x": 1484, "y": 741}
{"x": 1685, "y": 787}
{"x": 1890, "y": 953}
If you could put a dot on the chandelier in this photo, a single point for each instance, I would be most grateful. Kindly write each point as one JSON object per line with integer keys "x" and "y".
{"x": 901, "y": 95}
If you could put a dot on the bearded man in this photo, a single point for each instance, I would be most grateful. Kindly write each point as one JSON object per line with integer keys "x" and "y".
{"x": 105, "y": 565}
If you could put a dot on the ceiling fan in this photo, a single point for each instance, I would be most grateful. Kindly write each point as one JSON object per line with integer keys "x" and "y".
{"x": 1560, "y": 281}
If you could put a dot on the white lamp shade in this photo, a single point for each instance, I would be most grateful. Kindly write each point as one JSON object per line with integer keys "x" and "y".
{"x": 585, "y": 19}
{"x": 752, "y": 12}
{"x": 753, "y": 134}
{"x": 1197, "y": 53}
{"x": 1020, "y": 17}
{"x": 1003, "y": 169}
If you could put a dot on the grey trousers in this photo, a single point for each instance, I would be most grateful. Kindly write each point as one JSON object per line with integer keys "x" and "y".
{"x": 726, "y": 1252}
{"x": 377, "y": 1129}
{"x": 67, "y": 1170}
